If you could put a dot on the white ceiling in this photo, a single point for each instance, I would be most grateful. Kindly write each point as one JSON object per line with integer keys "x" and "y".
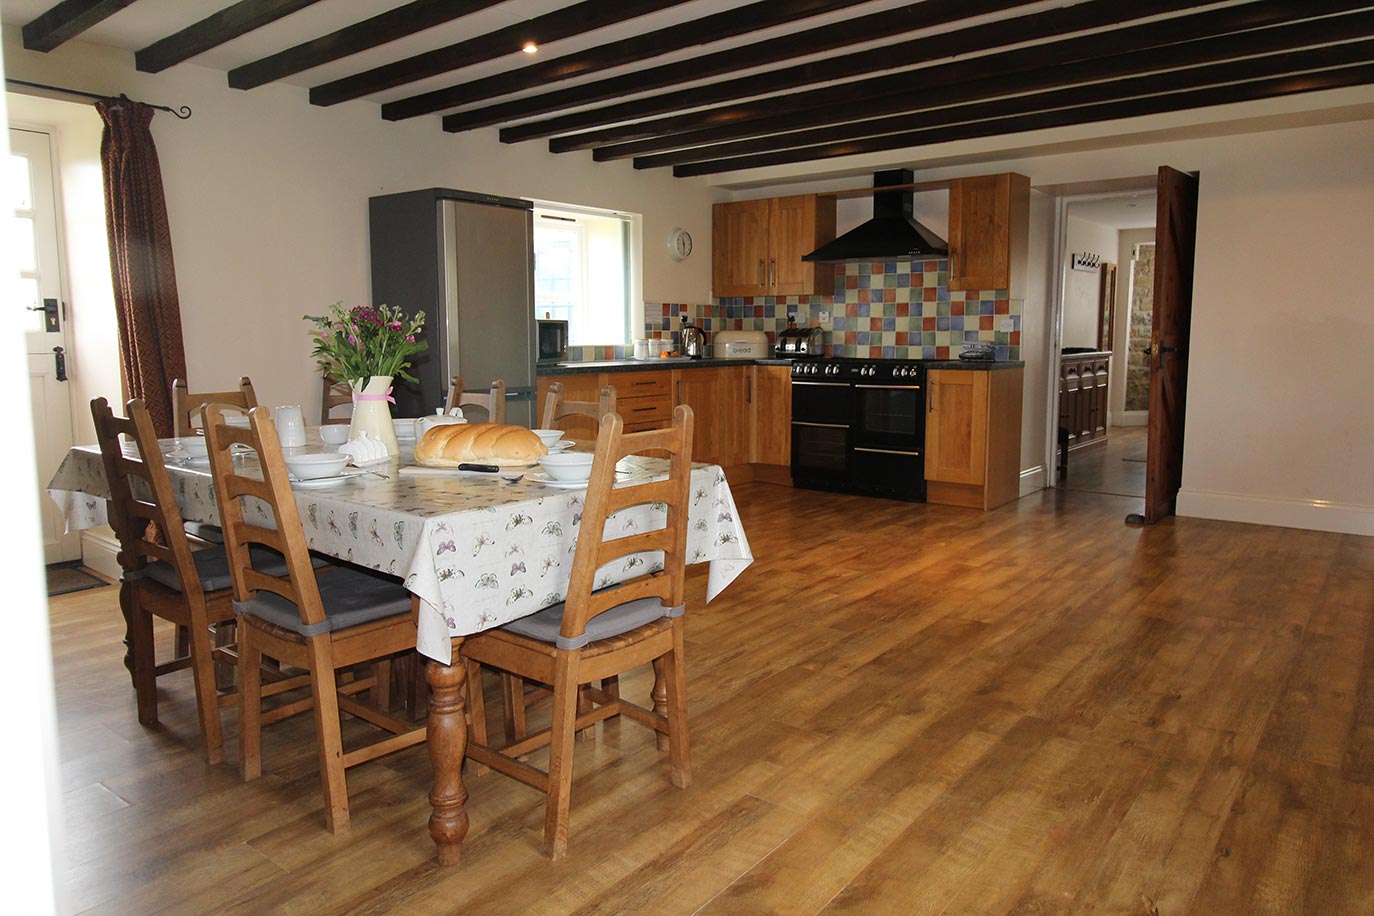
{"x": 1134, "y": 211}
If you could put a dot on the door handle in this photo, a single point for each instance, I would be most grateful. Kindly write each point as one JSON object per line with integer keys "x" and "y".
{"x": 60, "y": 361}
{"x": 51, "y": 324}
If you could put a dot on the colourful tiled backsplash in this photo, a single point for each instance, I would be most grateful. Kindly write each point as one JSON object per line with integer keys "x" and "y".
{"x": 889, "y": 309}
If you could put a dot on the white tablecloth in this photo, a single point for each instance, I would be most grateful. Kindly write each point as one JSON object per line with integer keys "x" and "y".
{"x": 478, "y": 551}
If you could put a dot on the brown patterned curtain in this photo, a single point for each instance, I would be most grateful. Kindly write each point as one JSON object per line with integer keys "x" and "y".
{"x": 151, "y": 350}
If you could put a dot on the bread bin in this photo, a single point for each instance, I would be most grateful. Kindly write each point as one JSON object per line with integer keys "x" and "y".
{"x": 741, "y": 345}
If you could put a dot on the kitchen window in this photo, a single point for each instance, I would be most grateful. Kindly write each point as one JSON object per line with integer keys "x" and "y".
{"x": 585, "y": 273}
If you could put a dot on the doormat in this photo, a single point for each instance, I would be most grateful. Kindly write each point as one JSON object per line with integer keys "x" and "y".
{"x": 65, "y": 578}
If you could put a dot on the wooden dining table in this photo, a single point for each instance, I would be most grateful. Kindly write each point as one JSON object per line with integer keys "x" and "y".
{"x": 477, "y": 551}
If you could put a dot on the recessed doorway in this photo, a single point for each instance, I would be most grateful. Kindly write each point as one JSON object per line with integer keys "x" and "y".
{"x": 1105, "y": 316}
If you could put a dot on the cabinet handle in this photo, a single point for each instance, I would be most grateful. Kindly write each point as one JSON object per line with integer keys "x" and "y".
{"x": 772, "y": 272}
{"x": 934, "y": 396}
{"x": 748, "y": 389}
{"x": 644, "y": 409}
{"x": 679, "y": 391}
{"x": 760, "y": 271}
{"x": 646, "y": 382}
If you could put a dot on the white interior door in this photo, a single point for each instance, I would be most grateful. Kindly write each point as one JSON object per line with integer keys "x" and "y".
{"x": 40, "y": 312}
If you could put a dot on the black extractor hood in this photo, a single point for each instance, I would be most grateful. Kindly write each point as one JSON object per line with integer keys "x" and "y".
{"x": 891, "y": 233}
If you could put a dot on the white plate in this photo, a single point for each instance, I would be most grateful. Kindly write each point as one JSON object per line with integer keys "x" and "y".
{"x": 186, "y": 461}
{"x": 542, "y": 477}
{"x": 562, "y": 445}
{"x": 317, "y": 482}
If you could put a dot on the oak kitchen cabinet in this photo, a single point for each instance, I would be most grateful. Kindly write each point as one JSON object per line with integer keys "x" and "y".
{"x": 989, "y": 223}
{"x": 973, "y": 437}
{"x": 757, "y": 246}
{"x": 742, "y": 414}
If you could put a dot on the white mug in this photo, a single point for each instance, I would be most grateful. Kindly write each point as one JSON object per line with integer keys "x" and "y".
{"x": 290, "y": 425}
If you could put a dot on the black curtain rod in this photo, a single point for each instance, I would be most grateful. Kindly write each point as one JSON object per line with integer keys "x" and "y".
{"x": 183, "y": 113}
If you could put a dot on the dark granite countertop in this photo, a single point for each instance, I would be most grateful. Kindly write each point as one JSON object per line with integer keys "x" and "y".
{"x": 639, "y": 365}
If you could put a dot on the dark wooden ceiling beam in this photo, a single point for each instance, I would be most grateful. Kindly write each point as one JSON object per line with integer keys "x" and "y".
{"x": 1107, "y": 111}
{"x": 1151, "y": 83}
{"x": 564, "y": 23}
{"x": 213, "y": 31}
{"x": 867, "y": 92}
{"x": 67, "y": 20}
{"x": 370, "y": 33}
{"x": 913, "y": 51}
{"x": 874, "y": 26}
{"x": 716, "y": 27}
{"x": 843, "y": 125}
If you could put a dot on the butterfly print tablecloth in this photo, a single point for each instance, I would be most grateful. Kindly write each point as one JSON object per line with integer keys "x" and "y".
{"x": 478, "y": 551}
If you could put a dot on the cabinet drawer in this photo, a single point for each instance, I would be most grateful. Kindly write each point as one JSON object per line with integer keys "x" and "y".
{"x": 641, "y": 410}
{"x": 640, "y": 384}
{"x": 645, "y": 426}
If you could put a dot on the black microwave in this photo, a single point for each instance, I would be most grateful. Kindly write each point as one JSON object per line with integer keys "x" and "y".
{"x": 553, "y": 340}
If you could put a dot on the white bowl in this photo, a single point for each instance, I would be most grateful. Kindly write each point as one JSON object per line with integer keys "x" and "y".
{"x": 548, "y": 436}
{"x": 568, "y": 465}
{"x": 334, "y": 433}
{"x": 309, "y": 467}
{"x": 238, "y": 421}
{"x": 405, "y": 427}
{"x": 195, "y": 446}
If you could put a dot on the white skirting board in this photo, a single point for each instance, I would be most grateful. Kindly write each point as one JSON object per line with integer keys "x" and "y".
{"x": 1311, "y": 514}
{"x": 100, "y": 551}
{"x": 1032, "y": 480}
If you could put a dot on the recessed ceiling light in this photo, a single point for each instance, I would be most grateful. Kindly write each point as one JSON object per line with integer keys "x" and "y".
{"x": 530, "y": 48}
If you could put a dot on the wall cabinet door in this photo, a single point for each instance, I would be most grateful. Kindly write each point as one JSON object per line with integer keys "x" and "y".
{"x": 957, "y": 426}
{"x": 772, "y": 415}
{"x": 989, "y": 223}
{"x": 740, "y": 248}
{"x": 757, "y": 246}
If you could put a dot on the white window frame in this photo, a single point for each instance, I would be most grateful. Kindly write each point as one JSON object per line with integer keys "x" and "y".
{"x": 634, "y": 305}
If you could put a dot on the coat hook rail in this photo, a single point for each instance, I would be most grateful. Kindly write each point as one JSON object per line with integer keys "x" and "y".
{"x": 183, "y": 112}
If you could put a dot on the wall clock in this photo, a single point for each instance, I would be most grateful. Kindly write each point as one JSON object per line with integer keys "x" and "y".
{"x": 679, "y": 244}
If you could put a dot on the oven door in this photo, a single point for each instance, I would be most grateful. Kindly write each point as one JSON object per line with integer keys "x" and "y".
{"x": 890, "y": 417}
{"x": 821, "y": 417}
{"x": 888, "y": 455}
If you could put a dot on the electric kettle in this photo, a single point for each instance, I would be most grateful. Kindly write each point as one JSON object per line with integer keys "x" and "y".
{"x": 693, "y": 340}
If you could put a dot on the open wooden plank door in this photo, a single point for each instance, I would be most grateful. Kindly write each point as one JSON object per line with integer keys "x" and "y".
{"x": 1175, "y": 238}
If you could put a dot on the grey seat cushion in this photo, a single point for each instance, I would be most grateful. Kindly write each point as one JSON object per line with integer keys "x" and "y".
{"x": 350, "y": 597}
{"x": 205, "y": 531}
{"x": 213, "y": 566}
{"x": 544, "y": 626}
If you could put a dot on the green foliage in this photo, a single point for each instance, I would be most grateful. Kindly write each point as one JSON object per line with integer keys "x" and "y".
{"x": 363, "y": 341}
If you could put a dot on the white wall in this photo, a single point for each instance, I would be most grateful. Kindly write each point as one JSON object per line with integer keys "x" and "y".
{"x": 267, "y": 200}
{"x": 1038, "y": 342}
{"x": 1081, "y": 288}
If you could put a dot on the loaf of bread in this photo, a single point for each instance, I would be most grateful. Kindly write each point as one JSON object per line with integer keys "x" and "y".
{"x": 478, "y": 443}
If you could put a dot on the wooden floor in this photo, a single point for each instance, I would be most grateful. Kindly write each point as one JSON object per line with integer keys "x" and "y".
{"x": 898, "y": 709}
{"x": 1116, "y": 467}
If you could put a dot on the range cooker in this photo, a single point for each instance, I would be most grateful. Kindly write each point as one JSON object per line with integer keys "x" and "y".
{"x": 858, "y": 426}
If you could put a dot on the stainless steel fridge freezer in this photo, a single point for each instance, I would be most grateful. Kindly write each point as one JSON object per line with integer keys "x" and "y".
{"x": 467, "y": 261}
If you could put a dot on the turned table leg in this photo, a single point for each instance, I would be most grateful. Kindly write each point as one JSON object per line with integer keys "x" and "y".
{"x": 448, "y": 740}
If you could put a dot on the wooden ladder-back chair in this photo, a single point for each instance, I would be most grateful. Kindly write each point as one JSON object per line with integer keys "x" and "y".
{"x": 556, "y": 407}
{"x": 186, "y": 407}
{"x": 599, "y": 634}
{"x": 347, "y": 618}
{"x": 164, "y": 577}
{"x": 335, "y": 394}
{"x": 493, "y": 401}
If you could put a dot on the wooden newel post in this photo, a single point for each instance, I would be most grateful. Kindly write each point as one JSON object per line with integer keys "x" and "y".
{"x": 448, "y": 740}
